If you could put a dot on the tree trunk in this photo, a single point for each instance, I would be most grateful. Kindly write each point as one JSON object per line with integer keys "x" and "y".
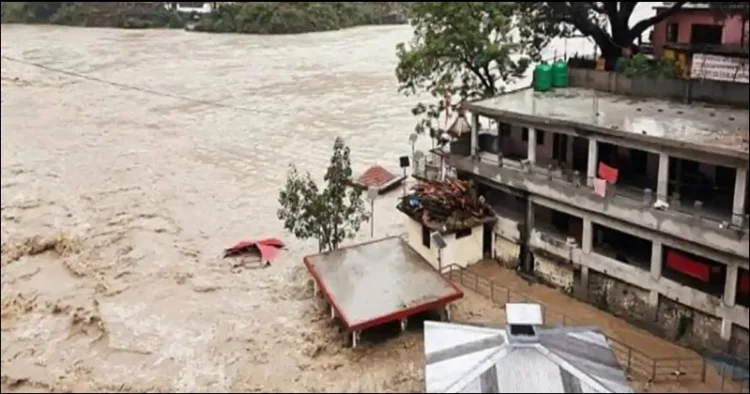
{"x": 611, "y": 48}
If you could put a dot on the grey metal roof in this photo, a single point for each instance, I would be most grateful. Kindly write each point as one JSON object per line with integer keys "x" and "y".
{"x": 469, "y": 359}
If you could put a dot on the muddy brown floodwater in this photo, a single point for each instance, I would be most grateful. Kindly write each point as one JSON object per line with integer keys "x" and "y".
{"x": 117, "y": 202}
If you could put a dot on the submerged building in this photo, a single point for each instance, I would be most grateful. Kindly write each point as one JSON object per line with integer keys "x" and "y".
{"x": 522, "y": 357}
{"x": 638, "y": 205}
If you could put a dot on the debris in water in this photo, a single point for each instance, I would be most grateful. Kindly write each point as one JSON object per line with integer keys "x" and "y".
{"x": 17, "y": 304}
{"x": 61, "y": 244}
{"x": 262, "y": 251}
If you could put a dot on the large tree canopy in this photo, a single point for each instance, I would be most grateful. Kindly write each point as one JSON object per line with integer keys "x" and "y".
{"x": 592, "y": 19}
{"x": 608, "y": 23}
{"x": 469, "y": 50}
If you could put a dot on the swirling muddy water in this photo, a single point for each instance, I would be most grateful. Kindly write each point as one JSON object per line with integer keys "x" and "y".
{"x": 136, "y": 192}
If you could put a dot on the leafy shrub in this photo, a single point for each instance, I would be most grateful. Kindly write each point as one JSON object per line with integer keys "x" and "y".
{"x": 641, "y": 66}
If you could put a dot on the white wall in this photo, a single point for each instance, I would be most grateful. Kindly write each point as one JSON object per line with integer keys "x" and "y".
{"x": 506, "y": 247}
{"x": 506, "y": 251}
{"x": 463, "y": 252}
{"x": 556, "y": 274}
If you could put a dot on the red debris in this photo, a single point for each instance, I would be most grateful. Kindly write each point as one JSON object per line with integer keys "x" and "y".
{"x": 266, "y": 250}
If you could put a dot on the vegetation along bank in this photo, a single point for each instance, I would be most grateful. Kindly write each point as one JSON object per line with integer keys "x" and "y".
{"x": 251, "y": 18}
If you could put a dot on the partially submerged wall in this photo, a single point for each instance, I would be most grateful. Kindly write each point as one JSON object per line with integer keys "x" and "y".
{"x": 619, "y": 298}
{"x": 662, "y": 316}
{"x": 739, "y": 345}
{"x": 688, "y": 326}
{"x": 554, "y": 272}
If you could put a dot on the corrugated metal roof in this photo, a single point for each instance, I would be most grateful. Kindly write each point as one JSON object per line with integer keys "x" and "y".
{"x": 470, "y": 359}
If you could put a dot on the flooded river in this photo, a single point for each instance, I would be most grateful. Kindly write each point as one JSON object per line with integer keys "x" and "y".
{"x": 173, "y": 147}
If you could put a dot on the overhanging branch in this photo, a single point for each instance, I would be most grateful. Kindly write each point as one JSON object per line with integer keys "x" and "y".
{"x": 641, "y": 26}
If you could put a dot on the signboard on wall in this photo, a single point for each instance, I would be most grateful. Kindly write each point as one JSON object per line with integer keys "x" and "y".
{"x": 719, "y": 68}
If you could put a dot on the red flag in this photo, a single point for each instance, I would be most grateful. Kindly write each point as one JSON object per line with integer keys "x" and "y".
{"x": 608, "y": 173}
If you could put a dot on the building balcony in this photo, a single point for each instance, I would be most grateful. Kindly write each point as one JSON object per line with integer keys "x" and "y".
{"x": 569, "y": 187}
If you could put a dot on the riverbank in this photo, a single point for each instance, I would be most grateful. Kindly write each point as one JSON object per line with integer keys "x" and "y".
{"x": 93, "y": 14}
{"x": 248, "y": 18}
{"x": 298, "y": 17}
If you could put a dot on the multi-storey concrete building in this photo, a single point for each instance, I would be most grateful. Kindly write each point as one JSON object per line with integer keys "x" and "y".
{"x": 665, "y": 242}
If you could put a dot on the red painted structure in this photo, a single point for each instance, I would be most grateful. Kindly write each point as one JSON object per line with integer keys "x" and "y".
{"x": 678, "y": 28}
{"x": 688, "y": 266}
{"x": 379, "y": 177}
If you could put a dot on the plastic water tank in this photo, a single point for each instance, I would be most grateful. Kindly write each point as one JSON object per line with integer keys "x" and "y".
{"x": 560, "y": 74}
{"x": 542, "y": 77}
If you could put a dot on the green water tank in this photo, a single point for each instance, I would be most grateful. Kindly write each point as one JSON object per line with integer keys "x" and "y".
{"x": 542, "y": 77}
{"x": 560, "y": 74}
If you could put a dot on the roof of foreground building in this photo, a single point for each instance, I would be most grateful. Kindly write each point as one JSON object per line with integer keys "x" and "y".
{"x": 461, "y": 358}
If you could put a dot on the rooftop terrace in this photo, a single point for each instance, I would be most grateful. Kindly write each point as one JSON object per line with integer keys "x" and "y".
{"x": 721, "y": 130}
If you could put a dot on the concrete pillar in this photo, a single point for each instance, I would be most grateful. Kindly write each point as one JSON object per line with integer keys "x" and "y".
{"x": 474, "y": 134}
{"x": 355, "y": 339}
{"x": 653, "y": 300}
{"x": 587, "y": 238}
{"x": 662, "y": 182}
{"x": 593, "y": 162}
{"x": 730, "y": 286}
{"x": 653, "y": 303}
{"x": 531, "y": 145}
{"x": 740, "y": 194}
{"x": 656, "y": 259}
{"x": 528, "y": 262}
{"x": 726, "y": 329}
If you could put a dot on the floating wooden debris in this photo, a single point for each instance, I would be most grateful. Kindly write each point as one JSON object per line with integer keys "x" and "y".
{"x": 378, "y": 177}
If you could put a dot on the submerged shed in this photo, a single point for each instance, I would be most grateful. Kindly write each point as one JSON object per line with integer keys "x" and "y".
{"x": 522, "y": 357}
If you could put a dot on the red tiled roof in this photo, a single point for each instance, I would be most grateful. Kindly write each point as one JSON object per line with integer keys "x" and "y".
{"x": 375, "y": 176}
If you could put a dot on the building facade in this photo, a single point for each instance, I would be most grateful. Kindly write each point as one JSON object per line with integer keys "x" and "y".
{"x": 638, "y": 206}
{"x": 696, "y": 24}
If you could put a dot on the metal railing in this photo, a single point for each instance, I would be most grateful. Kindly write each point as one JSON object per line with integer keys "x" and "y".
{"x": 635, "y": 362}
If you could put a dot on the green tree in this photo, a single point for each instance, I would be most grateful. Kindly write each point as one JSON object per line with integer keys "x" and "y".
{"x": 466, "y": 49}
{"x": 607, "y": 23}
{"x": 330, "y": 215}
